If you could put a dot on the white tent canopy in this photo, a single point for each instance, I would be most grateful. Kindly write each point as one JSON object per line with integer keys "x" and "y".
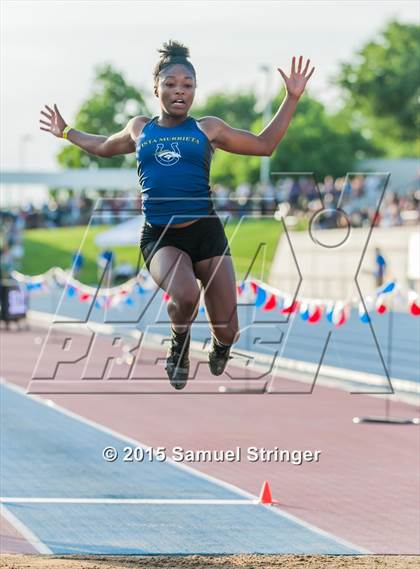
{"x": 126, "y": 233}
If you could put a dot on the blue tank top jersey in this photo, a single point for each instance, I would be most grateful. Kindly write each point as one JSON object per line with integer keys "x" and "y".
{"x": 173, "y": 164}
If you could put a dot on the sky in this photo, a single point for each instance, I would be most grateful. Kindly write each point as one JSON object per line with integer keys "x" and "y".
{"x": 49, "y": 50}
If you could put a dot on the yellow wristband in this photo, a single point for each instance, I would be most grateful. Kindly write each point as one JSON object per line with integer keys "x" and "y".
{"x": 65, "y": 131}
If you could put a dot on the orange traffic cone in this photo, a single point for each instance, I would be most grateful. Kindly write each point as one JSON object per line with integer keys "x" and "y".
{"x": 265, "y": 496}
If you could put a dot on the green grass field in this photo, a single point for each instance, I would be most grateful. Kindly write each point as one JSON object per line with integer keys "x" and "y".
{"x": 46, "y": 248}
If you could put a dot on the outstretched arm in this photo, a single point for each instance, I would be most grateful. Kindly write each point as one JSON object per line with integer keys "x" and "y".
{"x": 239, "y": 141}
{"x": 122, "y": 142}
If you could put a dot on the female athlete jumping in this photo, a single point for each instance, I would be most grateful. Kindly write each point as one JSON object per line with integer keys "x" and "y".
{"x": 183, "y": 239}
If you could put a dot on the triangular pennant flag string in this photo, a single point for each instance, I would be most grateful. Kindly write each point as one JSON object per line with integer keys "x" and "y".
{"x": 253, "y": 291}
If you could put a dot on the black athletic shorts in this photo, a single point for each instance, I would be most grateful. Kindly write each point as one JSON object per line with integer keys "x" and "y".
{"x": 202, "y": 239}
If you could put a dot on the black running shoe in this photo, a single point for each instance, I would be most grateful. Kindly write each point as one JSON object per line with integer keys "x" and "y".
{"x": 177, "y": 362}
{"x": 218, "y": 357}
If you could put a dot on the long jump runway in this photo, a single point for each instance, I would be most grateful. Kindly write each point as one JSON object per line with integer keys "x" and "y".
{"x": 61, "y": 494}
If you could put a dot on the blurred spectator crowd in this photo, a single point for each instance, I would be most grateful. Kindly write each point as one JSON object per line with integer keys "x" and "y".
{"x": 74, "y": 210}
{"x": 301, "y": 197}
{"x": 293, "y": 198}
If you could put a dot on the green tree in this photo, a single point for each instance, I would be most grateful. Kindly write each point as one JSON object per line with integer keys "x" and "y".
{"x": 315, "y": 141}
{"x": 381, "y": 86}
{"x": 112, "y": 103}
{"x": 238, "y": 110}
{"x": 319, "y": 142}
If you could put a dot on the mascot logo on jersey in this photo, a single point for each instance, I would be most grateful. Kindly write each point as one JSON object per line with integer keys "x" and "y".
{"x": 167, "y": 157}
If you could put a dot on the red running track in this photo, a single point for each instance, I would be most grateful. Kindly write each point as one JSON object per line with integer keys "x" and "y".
{"x": 365, "y": 487}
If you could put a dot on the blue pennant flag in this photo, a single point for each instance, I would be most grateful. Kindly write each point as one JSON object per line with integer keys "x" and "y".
{"x": 261, "y": 296}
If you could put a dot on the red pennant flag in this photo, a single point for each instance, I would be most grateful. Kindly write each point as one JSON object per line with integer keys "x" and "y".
{"x": 290, "y": 308}
{"x": 413, "y": 301}
{"x": 271, "y": 303}
{"x": 380, "y": 305}
{"x": 315, "y": 314}
{"x": 415, "y": 309}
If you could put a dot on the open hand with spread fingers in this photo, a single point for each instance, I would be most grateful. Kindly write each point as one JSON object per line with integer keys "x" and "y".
{"x": 296, "y": 83}
{"x": 55, "y": 123}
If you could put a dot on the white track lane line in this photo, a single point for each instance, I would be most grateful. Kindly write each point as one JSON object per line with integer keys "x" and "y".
{"x": 176, "y": 501}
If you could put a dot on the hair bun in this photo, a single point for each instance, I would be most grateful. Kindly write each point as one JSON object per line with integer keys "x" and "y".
{"x": 173, "y": 49}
